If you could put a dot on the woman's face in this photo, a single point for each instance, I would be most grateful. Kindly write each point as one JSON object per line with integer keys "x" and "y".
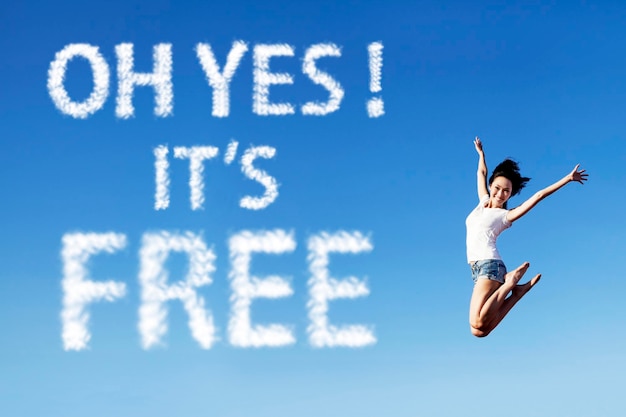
{"x": 500, "y": 190}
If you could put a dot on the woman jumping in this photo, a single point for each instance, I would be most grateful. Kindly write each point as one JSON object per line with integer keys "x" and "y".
{"x": 492, "y": 283}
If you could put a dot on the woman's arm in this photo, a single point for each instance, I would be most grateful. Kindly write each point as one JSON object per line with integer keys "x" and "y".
{"x": 575, "y": 175}
{"x": 481, "y": 174}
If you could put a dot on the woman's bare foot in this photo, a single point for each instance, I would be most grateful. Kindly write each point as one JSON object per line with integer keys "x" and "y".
{"x": 520, "y": 290}
{"x": 512, "y": 278}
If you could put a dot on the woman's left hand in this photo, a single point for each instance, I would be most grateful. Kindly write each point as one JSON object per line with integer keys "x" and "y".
{"x": 578, "y": 175}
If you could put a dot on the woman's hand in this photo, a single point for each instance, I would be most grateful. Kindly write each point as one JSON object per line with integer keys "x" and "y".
{"x": 577, "y": 175}
{"x": 481, "y": 184}
{"x": 478, "y": 144}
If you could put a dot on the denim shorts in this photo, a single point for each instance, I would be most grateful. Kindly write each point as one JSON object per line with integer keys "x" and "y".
{"x": 492, "y": 269}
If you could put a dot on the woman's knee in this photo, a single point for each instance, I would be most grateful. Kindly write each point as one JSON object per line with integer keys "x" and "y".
{"x": 476, "y": 322}
{"x": 480, "y": 332}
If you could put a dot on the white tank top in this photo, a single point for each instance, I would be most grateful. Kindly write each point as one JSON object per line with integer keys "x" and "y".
{"x": 484, "y": 225}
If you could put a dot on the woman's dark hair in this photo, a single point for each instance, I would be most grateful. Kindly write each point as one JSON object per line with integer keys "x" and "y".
{"x": 510, "y": 170}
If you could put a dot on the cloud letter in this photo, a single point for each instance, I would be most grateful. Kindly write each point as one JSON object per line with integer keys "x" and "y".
{"x": 160, "y": 79}
{"x": 220, "y": 81}
{"x": 196, "y": 155}
{"x": 263, "y": 78}
{"x": 78, "y": 290}
{"x": 155, "y": 291}
{"x": 56, "y": 77}
{"x": 323, "y": 79}
{"x": 269, "y": 182}
{"x": 246, "y": 287}
{"x": 323, "y": 288}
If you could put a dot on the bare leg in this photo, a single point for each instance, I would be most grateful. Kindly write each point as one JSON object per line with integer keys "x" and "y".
{"x": 516, "y": 294}
{"x": 489, "y": 303}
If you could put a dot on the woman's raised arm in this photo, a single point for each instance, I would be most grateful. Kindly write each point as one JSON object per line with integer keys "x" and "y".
{"x": 481, "y": 174}
{"x": 576, "y": 175}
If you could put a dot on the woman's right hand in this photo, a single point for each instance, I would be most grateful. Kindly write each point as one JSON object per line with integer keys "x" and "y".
{"x": 478, "y": 144}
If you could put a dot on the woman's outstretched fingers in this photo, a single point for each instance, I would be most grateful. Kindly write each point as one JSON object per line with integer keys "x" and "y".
{"x": 478, "y": 144}
{"x": 578, "y": 176}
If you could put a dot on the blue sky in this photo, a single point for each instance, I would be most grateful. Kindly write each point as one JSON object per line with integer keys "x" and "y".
{"x": 540, "y": 82}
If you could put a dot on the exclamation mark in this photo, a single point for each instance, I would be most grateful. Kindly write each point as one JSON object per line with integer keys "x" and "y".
{"x": 375, "y": 105}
